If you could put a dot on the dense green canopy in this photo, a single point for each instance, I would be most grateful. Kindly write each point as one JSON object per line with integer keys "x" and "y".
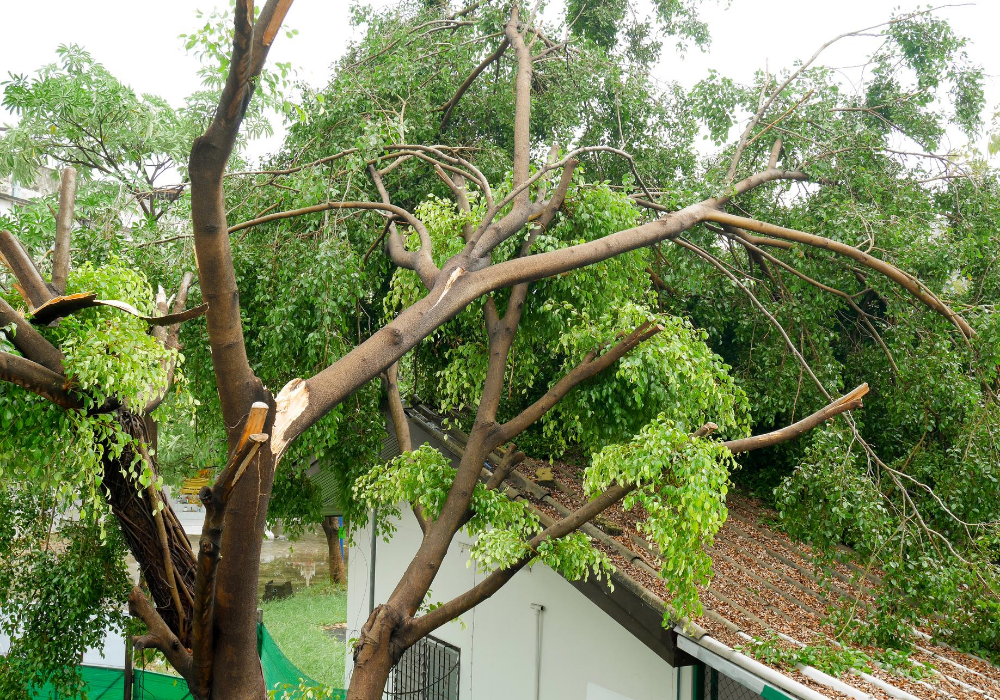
{"x": 757, "y": 326}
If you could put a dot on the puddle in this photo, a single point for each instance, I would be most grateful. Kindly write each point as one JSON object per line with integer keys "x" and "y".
{"x": 303, "y": 563}
{"x": 338, "y": 631}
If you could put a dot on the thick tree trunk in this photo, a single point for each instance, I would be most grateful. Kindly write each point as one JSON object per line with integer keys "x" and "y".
{"x": 332, "y": 532}
{"x": 236, "y": 670}
{"x": 376, "y": 654}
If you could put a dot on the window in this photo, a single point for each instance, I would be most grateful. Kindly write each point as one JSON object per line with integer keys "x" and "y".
{"x": 712, "y": 685}
{"x": 429, "y": 670}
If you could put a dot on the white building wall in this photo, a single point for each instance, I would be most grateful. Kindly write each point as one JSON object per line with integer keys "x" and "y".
{"x": 585, "y": 654}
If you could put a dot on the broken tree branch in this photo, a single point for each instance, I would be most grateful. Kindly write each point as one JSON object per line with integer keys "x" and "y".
{"x": 64, "y": 229}
{"x": 847, "y": 402}
{"x": 29, "y": 341}
{"x": 906, "y": 281}
{"x": 30, "y": 284}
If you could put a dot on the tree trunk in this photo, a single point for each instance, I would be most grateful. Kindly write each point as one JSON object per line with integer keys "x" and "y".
{"x": 377, "y": 653}
{"x": 236, "y": 670}
{"x": 332, "y": 531}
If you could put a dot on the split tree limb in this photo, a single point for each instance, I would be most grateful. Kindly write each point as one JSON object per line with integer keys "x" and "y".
{"x": 37, "y": 379}
{"x": 215, "y": 499}
{"x": 847, "y": 402}
{"x": 29, "y": 341}
{"x": 64, "y": 229}
{"x": 30, "y": 284}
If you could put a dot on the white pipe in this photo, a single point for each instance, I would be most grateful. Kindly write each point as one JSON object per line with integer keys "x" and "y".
{"x": 538, "y": 608}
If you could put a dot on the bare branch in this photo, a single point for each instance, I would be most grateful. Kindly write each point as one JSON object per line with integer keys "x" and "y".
{"x": 522, "y": 108}
{"x": 160, "y": 637}
{"x": 590, "y": 366}
{"x": 906, "y": 281}
{"x": 450, "y": 105}
{"x": 64, "y": 229}
{"x": 847, "y": 402}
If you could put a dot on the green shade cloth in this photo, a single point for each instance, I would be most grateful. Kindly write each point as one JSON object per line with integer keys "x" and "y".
{"x": 108, "y": 683}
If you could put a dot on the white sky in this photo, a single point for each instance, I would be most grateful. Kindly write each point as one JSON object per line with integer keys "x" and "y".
{"x": 137, "y": 41}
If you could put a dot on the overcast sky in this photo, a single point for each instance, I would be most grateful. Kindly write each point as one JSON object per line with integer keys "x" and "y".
{"x": 137, "y": 41}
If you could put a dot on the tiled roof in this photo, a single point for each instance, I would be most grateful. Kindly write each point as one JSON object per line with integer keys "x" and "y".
{"x": 765, "y": 585}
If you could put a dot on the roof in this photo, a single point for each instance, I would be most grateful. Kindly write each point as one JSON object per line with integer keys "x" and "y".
{"x": 765, "y": 585}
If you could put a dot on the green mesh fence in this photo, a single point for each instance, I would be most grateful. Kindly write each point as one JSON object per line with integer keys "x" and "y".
{"x": 108, "y": 683}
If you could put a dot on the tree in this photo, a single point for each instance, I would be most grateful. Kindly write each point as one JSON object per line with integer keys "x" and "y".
{"x": 543, "y": 259}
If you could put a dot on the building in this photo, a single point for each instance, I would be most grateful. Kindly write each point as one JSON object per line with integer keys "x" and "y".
{"x": 14, "y": 194}
{"x": 542, "y": 637}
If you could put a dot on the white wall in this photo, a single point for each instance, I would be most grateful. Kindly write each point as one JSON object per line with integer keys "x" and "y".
{"x": 585, "y": 654}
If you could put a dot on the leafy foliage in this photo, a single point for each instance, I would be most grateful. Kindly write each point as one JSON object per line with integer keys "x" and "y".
{"x": 59, "y": 590}
{"x": 502, "y": 527}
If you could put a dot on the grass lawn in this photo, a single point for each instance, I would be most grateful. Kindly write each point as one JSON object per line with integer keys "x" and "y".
{"x": 296, "y": 625}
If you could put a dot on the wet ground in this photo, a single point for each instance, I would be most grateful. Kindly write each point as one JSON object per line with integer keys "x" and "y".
{"x": 302, "y": 562}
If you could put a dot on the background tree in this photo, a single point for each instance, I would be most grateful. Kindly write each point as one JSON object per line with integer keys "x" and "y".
{"x": 473, "y": 225}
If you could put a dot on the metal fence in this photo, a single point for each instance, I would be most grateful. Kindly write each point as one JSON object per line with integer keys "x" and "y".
{"x": 716, "y": 686}
{"x": 429, "y": 670}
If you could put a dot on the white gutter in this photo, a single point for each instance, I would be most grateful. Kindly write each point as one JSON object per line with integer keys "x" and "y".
{"x": 754, "y": 675}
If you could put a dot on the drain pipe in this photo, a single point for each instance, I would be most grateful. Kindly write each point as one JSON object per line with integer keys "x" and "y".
{"x": 538, "y": 608}
{"x": 371, "y": 568}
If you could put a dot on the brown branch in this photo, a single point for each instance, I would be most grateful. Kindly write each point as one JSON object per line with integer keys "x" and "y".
{"x": 30, "y": 284}
{"x": 301, "y": 403}
{"x": 420, "y": 261}
{"x": 400, "y": 426}
{"x": 457, "y": 186}
{"x": 160, "y": 637}
{"x": 522, "y": 108}
{"x": 847, "y": 402}
{"x": 297, "y": 168}
{"x": 397, "y": 414}
{"x": 37, "y": 379}
{"x": 29, "y": 341}
{"x": 168, "y": 563}
{"x": 64, "y": 229}
{"x": 906, "y": 281}
{"x": 425, "y": 624}
{"x": 315, "y": 208}
{"x": 590, "y": 366}
{"x": 450, "y": 105}
{"x": 237, "y": 384}
{"x": 758, "y": 179}
{"x": 511, "y": 459}
{"x": 748, "y": 238}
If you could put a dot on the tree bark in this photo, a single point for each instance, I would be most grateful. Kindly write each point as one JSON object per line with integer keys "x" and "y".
{"x": 130, "y": 504}
{"x": 376, "y": 653}
{"x": 337, "y": 574}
